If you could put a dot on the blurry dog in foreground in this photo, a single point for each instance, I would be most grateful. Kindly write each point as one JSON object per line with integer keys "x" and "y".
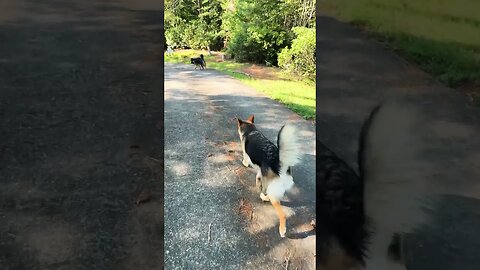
{"x": 272, "y": 162}
{"x": 363, "y": 217}
{"x": 199, "y": 62}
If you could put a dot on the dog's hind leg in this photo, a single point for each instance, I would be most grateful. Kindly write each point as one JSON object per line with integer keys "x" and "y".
{"x": 258, "y": 178}
{"x": 264, "y": 197}
{"x": 282, "y": 228}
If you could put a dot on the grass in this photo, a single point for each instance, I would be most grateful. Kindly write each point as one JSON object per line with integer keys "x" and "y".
{"x": 297, "y": 95}
{"x": 442, "y": 37}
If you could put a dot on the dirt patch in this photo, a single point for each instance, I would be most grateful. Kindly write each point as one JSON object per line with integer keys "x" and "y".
{"x": 241, "y": 172}
{"x": 232, "y": 146}
{"x": 218, "y": 56}
{"x": 261, "y": 72}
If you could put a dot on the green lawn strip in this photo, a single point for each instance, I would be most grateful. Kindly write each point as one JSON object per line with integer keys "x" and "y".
{"x": 452, "y": 64}
{"x": 444, "y": 40}
{"x": 297, "y": 96}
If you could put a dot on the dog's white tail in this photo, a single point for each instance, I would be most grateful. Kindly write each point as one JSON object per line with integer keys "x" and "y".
{"x": 393, "y": 177}
{"x": 288, "y": 147}
{"x": 289, "y": 154}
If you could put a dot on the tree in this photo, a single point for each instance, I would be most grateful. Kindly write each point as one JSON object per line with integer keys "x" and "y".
{"x": 255, "y": 35}
{"x": 193, "y": 23}
{"x": 257, "y": 30}
{"x": 300, "y": 58}
{"x": 251, "y": 30}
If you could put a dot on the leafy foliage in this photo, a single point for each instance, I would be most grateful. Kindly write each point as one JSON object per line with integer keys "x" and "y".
{"x": 258, "y": 29}
{"x": 300, "y": 58}
{"x": 250, "y": 30}
{"x": 255, "y": 35}
{"x": 193, "y": 23}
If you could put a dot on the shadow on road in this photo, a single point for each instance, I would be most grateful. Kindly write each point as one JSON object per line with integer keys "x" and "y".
{"x": 80, "y": 106}
{"x": 200, "y": 107}
{"x": 355, "y": 74}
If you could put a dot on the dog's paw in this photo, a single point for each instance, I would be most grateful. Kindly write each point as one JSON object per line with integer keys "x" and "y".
{"x": 264, "y": 197}
{"x": 245, "y": 163}
{"x": 282, "y": 231}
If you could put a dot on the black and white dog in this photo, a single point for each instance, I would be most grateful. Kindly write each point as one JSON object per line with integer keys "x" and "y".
{"x": 199, "y": 62}
{"x": 364, "y": 217}
{"x": 272, "y": 162}
{"x": 342, "y": 224}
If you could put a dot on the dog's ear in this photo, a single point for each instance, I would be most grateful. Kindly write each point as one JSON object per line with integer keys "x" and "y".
{"x": 250, "y": 119}
{"x": 239, "y": 121}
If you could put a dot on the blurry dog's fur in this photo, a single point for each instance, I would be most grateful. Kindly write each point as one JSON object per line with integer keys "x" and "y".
{"x": 394, "y": 174}
{"x": 340, "y": 202}
{"x": 272, "y": 162}
{"x": 199, "y": 62}
{"x": 362, "y": 216}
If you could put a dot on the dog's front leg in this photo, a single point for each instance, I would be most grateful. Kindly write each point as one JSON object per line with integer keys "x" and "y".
{"x": 246, "y": 160}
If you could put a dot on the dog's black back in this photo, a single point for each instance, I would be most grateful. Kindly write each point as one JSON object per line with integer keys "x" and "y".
{"x": 199, "y": 61}
{"x": 262, "y": 151}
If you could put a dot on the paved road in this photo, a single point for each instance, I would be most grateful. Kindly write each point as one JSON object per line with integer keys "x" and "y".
{"x": 80, "y": 101}
{"x": 354, "y": 74}
{"x": 206, "y": 185}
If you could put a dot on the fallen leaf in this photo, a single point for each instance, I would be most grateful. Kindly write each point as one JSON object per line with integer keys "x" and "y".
{"x": 245, "y": 208}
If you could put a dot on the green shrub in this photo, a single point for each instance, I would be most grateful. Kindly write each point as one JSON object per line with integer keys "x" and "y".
{"x": 300, "y": 58}
{"x": 256, "y": 35}
{"x": 248, "y": 46}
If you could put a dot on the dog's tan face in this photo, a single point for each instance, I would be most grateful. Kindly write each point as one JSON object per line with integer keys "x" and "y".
{"x": 242, "y": 123}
